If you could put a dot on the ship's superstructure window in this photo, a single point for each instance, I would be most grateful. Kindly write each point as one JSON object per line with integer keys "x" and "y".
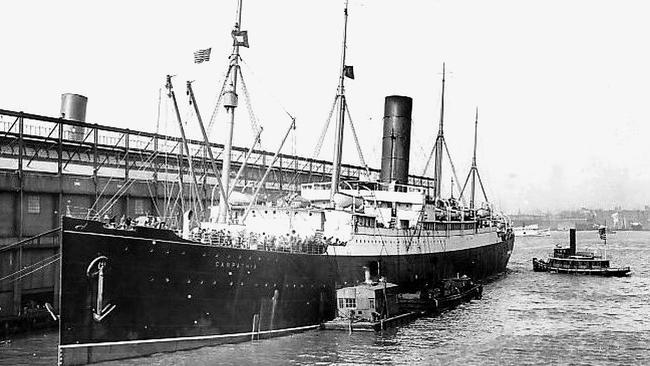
{"x": 139, "y": 206}
{"x": 33, "y": 204}
{"x": 347, "y": 302}
{"x": 365, "y": 221}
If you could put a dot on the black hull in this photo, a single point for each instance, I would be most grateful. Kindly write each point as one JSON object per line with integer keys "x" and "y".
{"x": 412, "y": 272}
{"x": 539, "y": 265}
{"x": 441, "y": 304}
{"x": 160, "y": 293}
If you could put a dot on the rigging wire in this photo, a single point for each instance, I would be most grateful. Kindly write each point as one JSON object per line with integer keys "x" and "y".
{"x": 249, "y": 108}
{"x": 356, "y": 140}
{"x": 109, "y": 204}
{"x": 54, "y": 257}
{"x": 321, "y": 139}
{"x": 215, "y": 111}
{"x": 453, "y": 169}
{"x": 250, "y": 70}
{"x": 35, "y": 270}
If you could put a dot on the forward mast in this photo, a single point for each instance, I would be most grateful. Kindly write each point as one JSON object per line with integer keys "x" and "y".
{"x": 230, "y": 103}
{"x": 340, "y": 120}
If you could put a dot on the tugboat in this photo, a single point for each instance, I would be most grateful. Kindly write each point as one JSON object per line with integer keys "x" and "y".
{"x": 568, "y": 260}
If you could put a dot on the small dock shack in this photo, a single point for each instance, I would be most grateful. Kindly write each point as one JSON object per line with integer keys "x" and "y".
{"x": 370, "y": 306}
{"x": 369, "y": 302}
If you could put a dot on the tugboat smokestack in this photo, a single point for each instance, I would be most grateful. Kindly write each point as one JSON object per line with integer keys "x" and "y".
{"x": 572, "y": 241}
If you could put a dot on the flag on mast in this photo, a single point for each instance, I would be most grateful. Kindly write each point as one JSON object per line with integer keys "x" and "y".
{"x": 240, "y": 38}
{"x": 348, "y": 71}
{"x": 202, "y": 55}
{"x": 602, "y": 231}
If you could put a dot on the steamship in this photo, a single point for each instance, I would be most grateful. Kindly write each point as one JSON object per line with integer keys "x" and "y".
{"x": 254, "y": 271}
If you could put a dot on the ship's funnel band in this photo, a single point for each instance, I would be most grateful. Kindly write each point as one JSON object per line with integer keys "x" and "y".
{"x": 396, "y": 140}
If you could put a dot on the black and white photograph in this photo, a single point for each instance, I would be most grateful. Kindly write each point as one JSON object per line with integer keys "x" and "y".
{"x": 340, "y": 182}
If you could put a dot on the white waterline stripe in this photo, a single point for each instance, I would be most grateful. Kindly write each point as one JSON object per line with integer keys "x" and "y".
{"x": 179, "y": 339}
{"x": 138, "y": 238}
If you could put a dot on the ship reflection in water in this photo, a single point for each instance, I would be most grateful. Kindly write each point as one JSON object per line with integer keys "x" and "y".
{"x": 524, "y": 317}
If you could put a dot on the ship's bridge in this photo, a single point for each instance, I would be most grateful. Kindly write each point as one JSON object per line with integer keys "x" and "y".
{"x": 388, "y": 202}
{"x": 378, "y": 194}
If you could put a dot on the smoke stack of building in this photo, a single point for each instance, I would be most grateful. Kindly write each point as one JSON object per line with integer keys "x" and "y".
{"x": 73, "y": 107}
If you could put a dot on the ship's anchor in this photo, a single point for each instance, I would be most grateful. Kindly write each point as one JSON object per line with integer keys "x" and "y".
{"x": 96, "y": 269}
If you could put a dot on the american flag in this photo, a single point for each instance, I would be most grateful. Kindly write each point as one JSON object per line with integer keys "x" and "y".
{"x": 202, "y": 55}
{"x": 603, "y": 233}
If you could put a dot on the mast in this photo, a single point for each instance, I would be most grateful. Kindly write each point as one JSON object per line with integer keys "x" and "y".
{"x": 230, "y": 103}
{"x": 440, "y": 140}
{"x": 172, "y": 95}
{"x": 206, "y": 141}
{"x": 473, "y": 171}
{"x": 474, "y": 168}
{"x": 340, "y": 120}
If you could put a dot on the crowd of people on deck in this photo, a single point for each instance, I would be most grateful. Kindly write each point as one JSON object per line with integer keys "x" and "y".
{"x": 291, "y": 242}
{"x": 128, "y": 223}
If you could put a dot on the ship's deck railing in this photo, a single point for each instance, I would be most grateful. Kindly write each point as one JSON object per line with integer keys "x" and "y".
{"x": 269, "y": 243}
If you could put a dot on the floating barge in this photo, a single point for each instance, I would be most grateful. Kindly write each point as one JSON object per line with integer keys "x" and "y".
{"x": 374, "y": 306}
{"x": 370, "y": 306}
{"x": 450, "y": 293}
{"x": 568, "y": 260}
{"x": 369, "y": 326}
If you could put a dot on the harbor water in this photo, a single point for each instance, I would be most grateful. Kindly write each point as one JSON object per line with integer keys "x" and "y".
{"x": 524, "y": 317}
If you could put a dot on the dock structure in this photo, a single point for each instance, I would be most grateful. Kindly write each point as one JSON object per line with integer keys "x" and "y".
{"x": 51, "y": 167}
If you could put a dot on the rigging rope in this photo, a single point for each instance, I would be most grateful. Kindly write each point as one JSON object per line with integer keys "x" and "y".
{"x": 250, "y": 70}
{"x": 319, "y": 144}
{"x": 453, "y": 169}
{"x": 50, "y": 258}
{"x": 356, "y": 140}
{"x": 426, "y": 166}
{"x": 251, "y": 115}
{"x": 215, "y": 111}
{"x": 36, "y": 270}
{"x": 123, "y": 189}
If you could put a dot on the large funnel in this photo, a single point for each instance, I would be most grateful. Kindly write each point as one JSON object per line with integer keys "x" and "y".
{"x": 73, "y": 107}
{"x": 396, "y": 142}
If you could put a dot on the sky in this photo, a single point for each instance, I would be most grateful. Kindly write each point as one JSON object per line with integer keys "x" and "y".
{"x": 562, "y": 87}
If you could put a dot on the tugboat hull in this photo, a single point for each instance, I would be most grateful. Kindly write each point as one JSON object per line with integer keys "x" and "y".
{"x": 542, "y": 266}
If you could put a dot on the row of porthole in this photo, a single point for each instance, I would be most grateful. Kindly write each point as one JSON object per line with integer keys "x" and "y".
{"x": 232, "y": 283}
{"x": 204, "y": 254}
{"x": 437, "y": 241}
{"x": 274, "y": 212}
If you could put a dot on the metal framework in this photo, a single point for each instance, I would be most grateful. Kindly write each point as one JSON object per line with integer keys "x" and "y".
{"x": 50, "y": 145}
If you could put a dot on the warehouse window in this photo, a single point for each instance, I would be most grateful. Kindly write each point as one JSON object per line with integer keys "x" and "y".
{"x": 33, "y": 204}
{"x": 139, "y": 206}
